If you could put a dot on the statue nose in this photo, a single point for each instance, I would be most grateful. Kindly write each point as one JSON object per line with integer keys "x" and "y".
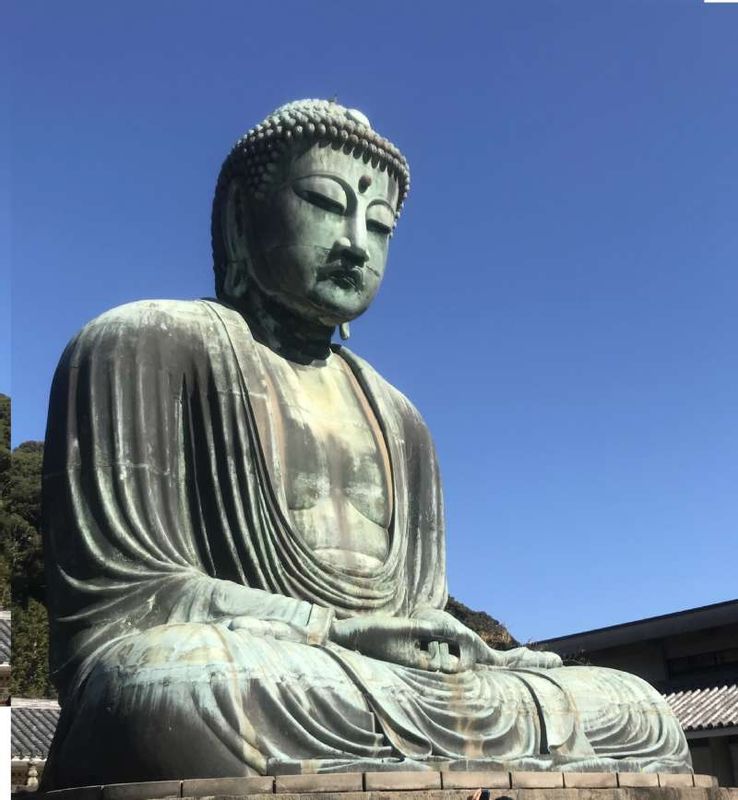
{"x": 355, "y": 251}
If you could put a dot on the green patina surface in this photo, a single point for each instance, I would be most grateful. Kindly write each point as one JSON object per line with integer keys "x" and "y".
{"x": 244, "y": 522}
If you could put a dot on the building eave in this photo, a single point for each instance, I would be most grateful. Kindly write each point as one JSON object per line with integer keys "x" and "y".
{"x": 693, "y": 619}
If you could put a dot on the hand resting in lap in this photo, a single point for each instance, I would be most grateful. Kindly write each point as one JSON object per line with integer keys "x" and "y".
{"x": 431, "y": 640}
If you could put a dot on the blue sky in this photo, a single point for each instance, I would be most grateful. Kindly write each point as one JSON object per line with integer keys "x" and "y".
{"x": 560, "y": 301}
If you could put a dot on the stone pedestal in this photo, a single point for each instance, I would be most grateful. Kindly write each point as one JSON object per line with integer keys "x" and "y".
{"x": 425, "y": 785}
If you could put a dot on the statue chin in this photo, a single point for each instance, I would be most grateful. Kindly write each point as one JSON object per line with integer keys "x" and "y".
{"x": 327, "y": 303}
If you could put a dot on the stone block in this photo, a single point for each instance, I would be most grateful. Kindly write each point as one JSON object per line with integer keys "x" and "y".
{"x": 676, "y": 779}
{"x": 637, "y": 779}
{"x": 204, "y": 787}
{"x": 220, "y": 789}
{"x": 705, "y": 781}
{"x": 146, "y": 790}
{"x": 537, "y": 780}
{"x": 317, "y": 782}
{"x": 590, "y": 780}
{"x": 475, "y": 780}
{"x": 80, "y": 793}
{"x": 401, "y": 781}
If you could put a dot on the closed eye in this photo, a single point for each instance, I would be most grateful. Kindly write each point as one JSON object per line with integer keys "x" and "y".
{"x": 322, "y": 192}
{"x": 376, "y": 226}
{"x": 320, "y": 200}
{"x": 380, "y": 218}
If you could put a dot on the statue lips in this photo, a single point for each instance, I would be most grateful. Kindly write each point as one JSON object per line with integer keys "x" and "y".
{"x": 346, "y": 274}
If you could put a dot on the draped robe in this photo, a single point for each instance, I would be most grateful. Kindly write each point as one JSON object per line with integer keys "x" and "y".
{"x": 165, "y": 519}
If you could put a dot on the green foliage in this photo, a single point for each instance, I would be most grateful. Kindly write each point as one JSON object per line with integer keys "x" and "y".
{"x": 22, "y": 585}
{"x": 5, "y": 537}
{"x": 4, "y": 579}
{"x": 29, "y": 661}
{"x": 24, "y": 501}
{"x": 494, "y": 633}
{"x": 30, "y": 658}
{"x": 24, "y": 486}
{"x": 4, "y": 443}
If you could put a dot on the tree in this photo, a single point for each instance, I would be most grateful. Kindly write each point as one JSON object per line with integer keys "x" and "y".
{"x": 30, "y": 656}
{"x": 494, "y": 633}
{"x": 22, "y": 584}
{"x": 4, "y": 443}
{"x": 24, "y": 523}
{"x": 4, "y": 578}
{"x": 24, "y": 486}
{"x": 5, "y": 537}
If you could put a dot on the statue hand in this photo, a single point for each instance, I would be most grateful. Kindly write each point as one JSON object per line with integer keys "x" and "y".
{"x": 474, "y": 650}
{"x": 265, "y": 628}
{"x": 436, "y": 643}
{"x": 524, "y": 657}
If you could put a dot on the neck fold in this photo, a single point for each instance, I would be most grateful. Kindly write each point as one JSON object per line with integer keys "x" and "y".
{"x": 283, "y": 331}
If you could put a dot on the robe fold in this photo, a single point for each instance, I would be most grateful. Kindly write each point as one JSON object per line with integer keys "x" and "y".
{"x": 165, "y": 521}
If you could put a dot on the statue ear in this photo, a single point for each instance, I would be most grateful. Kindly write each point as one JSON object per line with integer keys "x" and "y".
{"x": 235, "y": 224}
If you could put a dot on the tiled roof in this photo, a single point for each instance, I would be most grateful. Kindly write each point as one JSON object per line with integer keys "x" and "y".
{"x": 32, "y": 727}
{"x": 703, "y": 709}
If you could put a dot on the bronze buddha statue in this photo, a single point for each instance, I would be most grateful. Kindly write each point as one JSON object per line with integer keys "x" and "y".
{"x": 244, "y": 528}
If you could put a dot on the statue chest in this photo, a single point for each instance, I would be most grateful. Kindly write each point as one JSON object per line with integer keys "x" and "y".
{"x": 332, "y": 462}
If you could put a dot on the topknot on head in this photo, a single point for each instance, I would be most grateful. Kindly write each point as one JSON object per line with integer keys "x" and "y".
{"x": 330, "y": 108}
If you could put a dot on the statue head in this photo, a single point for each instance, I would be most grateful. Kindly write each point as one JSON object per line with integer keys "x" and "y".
{"x": 304, "y": 208}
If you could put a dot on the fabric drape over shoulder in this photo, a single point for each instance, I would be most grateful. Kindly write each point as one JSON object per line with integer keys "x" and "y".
{"x": 156, "y": 488}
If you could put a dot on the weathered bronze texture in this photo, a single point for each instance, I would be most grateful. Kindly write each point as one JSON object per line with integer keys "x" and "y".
{"x": 244, "y": 526}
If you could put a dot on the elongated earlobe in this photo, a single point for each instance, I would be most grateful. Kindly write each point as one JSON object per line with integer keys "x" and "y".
{"x": 234, "y": 228}
{"x": 344, "y": 331}
{"x": 236, "y": 279}
{"x": 234, "y": 223}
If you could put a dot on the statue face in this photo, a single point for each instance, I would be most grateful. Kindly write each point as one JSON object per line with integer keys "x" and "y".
{"x": 318, "y": 243}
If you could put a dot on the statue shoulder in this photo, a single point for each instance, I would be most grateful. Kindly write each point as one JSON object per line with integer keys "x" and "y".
{"x": 168, "y": 327}
{"x": 147, "y": 315}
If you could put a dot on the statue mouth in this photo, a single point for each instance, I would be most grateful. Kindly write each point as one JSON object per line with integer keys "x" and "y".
{"x": 347, "y": 276}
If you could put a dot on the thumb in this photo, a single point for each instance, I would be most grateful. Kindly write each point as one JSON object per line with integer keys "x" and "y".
{"x": 489, "y": 656}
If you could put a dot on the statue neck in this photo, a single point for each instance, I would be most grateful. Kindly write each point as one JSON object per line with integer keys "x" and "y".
{"x": 283, "y": 331}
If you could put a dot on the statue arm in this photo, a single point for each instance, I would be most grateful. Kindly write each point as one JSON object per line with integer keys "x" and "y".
{"x": 136, "y": 519}
{"x": 244, "y": 608}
